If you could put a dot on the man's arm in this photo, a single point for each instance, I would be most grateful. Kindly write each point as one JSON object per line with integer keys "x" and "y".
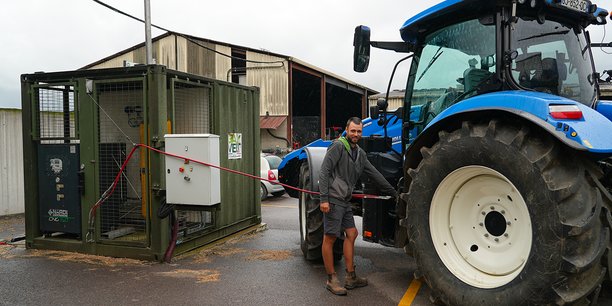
{"x": 379, "y": 179}
{"x": 329, "y": 163}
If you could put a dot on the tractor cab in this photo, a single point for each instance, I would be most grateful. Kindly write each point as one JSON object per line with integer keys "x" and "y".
{"x": 463, "y": 49}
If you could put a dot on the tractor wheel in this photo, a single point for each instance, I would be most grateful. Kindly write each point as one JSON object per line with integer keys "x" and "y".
{"x": 311, "y": 222}
{"x": 497, "y": 214}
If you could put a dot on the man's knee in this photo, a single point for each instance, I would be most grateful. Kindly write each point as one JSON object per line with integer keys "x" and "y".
{"x": 351, "y": 233}
{"x": 327, "y": 238}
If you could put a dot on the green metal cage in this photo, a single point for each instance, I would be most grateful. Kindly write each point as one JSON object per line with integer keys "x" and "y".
{"x": 79, "y": 127}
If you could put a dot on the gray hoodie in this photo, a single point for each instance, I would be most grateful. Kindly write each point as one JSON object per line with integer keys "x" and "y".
{"x": 339, "y": 174}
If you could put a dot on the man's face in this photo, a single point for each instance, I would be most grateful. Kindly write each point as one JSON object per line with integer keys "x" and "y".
{"x": 353, "y": 132}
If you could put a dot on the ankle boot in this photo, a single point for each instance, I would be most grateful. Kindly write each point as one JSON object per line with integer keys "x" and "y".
{"x": 353, "y": 281}
{"x": 333, "y": 285}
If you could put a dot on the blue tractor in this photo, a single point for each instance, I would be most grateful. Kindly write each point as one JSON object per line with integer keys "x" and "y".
{"x": 501, "y": 152}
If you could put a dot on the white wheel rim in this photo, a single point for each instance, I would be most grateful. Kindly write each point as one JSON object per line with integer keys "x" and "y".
{"x": 480, "y": 227}
{"x": 303, "y": 215}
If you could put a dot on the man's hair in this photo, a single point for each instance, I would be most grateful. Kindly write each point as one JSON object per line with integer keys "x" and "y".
{"x": 355, "y": 120}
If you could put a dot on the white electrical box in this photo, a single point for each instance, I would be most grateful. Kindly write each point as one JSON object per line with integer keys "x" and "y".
{"x": 187, "y": 182}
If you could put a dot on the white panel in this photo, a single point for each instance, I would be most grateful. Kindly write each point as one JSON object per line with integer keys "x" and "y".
{"x": 273, "y": 82}
{"x": 164, "y": 53}
{"x": 182, "y": 54}
{"x": 11, "y": 163}
{"x": 189, "y": 183}
{"x": 224, "y": 63}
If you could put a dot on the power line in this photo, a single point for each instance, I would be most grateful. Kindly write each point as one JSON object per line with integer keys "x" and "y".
{"x": 187, "y": 37}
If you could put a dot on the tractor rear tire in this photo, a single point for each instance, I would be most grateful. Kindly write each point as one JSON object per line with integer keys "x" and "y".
{"x": 501, "y": 215}
{"x": 311, "y": 222}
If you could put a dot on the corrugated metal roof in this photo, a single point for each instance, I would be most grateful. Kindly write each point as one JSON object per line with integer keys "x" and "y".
{"x": 271, "y": 122}
{"x": 205, "y": 40}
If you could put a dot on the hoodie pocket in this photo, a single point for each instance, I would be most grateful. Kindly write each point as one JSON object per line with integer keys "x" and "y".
{"x": 340, "y": 189}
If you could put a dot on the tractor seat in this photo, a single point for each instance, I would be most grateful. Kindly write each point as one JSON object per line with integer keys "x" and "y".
{"x": 472, "y": 77}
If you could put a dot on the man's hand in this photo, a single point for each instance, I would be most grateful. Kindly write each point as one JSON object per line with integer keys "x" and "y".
{"x": 324, "y": 206}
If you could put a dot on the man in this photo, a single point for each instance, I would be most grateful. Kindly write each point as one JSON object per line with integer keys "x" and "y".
{"x": 343, "y": 165}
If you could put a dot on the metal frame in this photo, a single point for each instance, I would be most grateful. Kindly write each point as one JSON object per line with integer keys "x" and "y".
{"x": 35, "y": 104}
{"x": 98, "y": 190}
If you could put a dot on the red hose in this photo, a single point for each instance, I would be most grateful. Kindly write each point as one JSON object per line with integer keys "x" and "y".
{"x": 172, "y": 245}
{"x": 110, "y": 191}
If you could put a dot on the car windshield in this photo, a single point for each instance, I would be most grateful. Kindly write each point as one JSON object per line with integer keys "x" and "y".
{"x": 274, "y": 161}
{"x": 552, "y": 58}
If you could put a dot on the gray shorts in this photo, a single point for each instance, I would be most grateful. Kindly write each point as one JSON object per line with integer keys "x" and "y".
{"x": 337, "y": 220}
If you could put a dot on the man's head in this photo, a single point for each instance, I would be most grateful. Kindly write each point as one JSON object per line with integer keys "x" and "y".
{"x": 354, "y": 128}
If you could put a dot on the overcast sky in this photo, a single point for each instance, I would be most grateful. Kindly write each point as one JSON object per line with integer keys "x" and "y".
{"x": 59, "y": 35}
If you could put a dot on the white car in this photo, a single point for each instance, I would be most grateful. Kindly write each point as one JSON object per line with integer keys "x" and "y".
{"x": 269, "y": 170}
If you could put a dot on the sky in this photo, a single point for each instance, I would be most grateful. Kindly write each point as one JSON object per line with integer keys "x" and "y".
{"x": 62, "y": 35}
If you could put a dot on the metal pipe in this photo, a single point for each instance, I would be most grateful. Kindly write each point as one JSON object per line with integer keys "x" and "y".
{"x": 148, "y": 44}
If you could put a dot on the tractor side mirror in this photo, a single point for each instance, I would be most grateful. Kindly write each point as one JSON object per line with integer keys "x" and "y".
{"x": 361, "y": 53}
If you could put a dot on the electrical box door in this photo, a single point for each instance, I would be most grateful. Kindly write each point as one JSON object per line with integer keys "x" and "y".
{"x": 59, "y": 199}
{"x": 189, "y": 183}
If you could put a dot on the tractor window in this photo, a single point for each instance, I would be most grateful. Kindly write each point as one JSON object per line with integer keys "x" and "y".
{"x": 452, "y": 65}
{"x": 552, "y": 58}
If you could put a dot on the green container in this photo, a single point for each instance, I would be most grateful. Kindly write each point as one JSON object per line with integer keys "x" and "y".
{"x": 97, "y": 116}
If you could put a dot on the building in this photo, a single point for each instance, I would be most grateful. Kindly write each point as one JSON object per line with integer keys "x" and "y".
{"x": 11, "y": 162}
{"x": 299, "y": 102}
{"x": 396, "y": 97}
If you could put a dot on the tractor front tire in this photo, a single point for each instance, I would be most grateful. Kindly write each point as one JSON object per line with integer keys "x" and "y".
{"x": 500, "y": 215}
{"x": 311, "y": 222}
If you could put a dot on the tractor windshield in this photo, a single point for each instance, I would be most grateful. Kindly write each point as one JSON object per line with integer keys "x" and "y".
{"x": 552, "y": 58}
{"x": 452, "y": 65}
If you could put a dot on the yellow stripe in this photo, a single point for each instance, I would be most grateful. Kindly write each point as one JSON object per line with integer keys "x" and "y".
{"x": 281, "y": 206}
{"x": 411, "y": 293}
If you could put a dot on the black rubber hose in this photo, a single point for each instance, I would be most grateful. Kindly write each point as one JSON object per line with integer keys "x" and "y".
{"x": 164, "y": 209}
{"x": 278, "y": 137}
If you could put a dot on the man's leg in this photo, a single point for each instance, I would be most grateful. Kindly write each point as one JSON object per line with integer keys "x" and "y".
{"x": 349, "y": 248}
{"x": 328, "y": 253}
{"x": 351, "y": 280}
{"x": 332, "y": 227}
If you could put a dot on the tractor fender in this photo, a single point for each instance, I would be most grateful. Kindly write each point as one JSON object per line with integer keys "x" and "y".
{"x": 315, "y": 160}
{"x": 589, "y": 134}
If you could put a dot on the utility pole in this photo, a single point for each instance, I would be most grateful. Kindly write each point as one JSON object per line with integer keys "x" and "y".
{"x": 148, "y": 44}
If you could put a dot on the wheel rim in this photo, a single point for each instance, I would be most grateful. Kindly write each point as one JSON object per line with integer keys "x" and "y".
{"x": 480, "y": 227}
{"x": 303, "y": 208}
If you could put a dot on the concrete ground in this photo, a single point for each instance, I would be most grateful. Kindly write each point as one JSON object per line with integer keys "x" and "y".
{"x": 262, "y": 268}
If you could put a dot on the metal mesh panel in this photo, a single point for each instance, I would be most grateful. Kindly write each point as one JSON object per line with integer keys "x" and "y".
{"x": 192, "y": 116}
{"x": 120, "y": 124}
{"x": 191, "y": 108}
{"x": 56, "y": 121}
